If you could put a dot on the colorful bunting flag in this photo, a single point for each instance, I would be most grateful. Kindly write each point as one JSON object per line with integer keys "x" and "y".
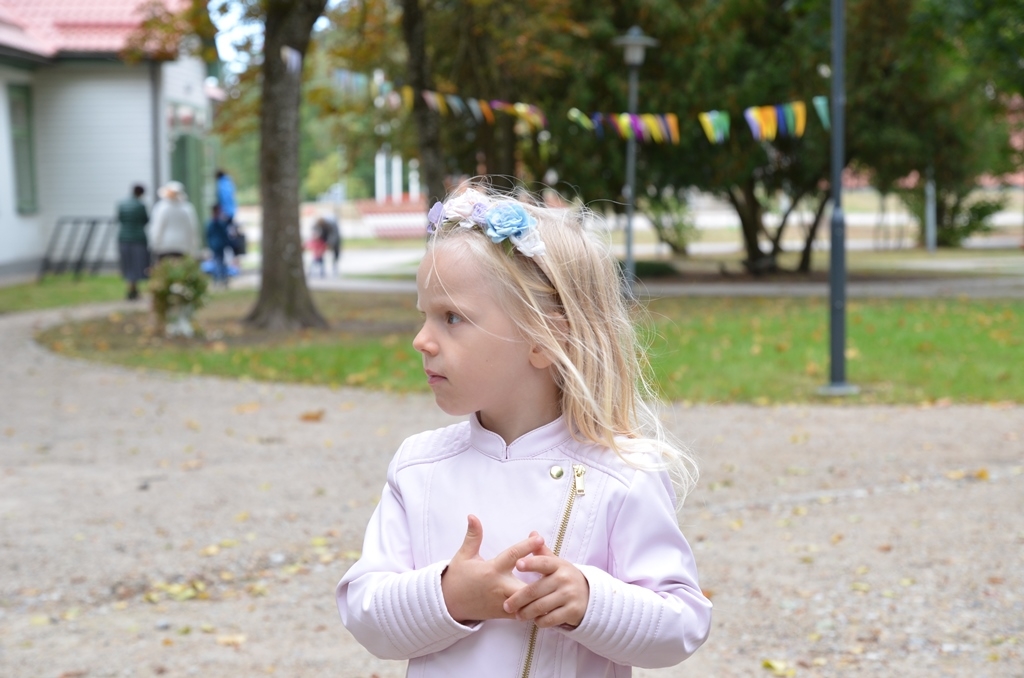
{"x": 455, "y": 104}
{"x": 577, "y": 116}
{"x": 821, "y": 106}
{"x": 715, "y": 125}
{"x": 766, "y": 122}
{"x": 800, "y": 117}
{"x": 485, "y": 108}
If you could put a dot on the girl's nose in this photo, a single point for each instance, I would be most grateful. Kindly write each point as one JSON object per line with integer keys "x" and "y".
{"x": 422, "y": 342}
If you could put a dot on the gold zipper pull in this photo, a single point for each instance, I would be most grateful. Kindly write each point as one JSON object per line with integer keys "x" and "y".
{"x": 579, "y": 470}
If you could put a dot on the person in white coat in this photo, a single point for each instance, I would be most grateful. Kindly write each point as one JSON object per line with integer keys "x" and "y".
{"x": 174, "y": 225}
{"x": 539, "y": 538}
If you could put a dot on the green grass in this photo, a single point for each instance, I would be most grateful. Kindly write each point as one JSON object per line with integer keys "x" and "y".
{"x": 62, "y": 290}
{"x": 898, "y": 351}
{"x": 701, "y": 350}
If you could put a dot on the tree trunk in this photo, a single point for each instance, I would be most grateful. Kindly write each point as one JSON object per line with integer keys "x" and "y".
{"x": 284, "y": 301}
{"x": 427, "y": 125}
{"x": 750, "y": 212}
{"x": 805, "y": 256}
{"x": 777, "y": 238}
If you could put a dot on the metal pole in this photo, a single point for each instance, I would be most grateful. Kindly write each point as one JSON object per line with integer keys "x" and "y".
{"x": 837, "y": 269}
{"x": 631, "y": 181}
{"x": 929, "y": 211}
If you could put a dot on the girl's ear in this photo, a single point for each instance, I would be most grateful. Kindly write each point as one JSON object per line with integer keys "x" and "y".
{"x": 539, "y": 356}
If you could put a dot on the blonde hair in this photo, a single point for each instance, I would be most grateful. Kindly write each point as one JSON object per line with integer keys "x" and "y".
{"x": 569, "y": 301}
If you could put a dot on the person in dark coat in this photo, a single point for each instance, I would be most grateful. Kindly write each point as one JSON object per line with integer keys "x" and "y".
{"x": 132, "y": 244}
{"x": 217, "y": 241}
{"x": 326, "y": 228}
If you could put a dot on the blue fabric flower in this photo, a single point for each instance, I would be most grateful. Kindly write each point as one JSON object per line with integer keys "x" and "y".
{"x": 508, "y": 220}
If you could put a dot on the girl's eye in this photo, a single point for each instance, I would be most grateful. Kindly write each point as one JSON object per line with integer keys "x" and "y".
{"x": 452, "y": 319}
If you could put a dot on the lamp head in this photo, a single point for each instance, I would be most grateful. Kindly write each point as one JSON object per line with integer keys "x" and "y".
{"x": 634, "y": 44}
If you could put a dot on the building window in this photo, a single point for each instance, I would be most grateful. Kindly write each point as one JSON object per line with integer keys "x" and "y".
{"x": 20, "y": 97}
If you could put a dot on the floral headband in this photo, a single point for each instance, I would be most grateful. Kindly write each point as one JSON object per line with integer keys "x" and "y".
{"x": 500, "y": 220}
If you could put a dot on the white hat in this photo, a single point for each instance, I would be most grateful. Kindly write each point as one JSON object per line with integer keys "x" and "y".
{"x": 172, "y": 190}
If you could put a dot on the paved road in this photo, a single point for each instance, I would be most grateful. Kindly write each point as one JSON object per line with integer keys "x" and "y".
{"x": 999, "y": 277}
{"x": 155, "y": 524}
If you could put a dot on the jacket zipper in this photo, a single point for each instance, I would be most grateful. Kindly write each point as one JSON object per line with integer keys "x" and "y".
{"x": 578, "y": 489}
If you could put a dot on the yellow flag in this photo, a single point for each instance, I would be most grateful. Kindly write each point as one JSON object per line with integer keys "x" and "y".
{"x": 709, "y": 128}
{"x": 800, "y": 113}
{"x": 769, "y": 122}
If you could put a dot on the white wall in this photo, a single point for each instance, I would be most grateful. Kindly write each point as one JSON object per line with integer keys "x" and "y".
{"x": 94, "y": 137}
{"x": 19, "y": 233}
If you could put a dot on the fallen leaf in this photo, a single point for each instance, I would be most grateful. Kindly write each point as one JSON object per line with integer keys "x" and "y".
{"x": 231, "y": 640}
{"x": 312, "y": 416}
{"x": 778, "y": 667}
{"x": 247, "y": 408}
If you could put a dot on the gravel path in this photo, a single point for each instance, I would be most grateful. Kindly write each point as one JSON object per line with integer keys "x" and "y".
{"x": 156, "y": 524}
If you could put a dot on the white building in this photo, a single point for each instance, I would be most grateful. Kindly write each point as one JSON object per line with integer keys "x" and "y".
{"x": 79, "y": 125}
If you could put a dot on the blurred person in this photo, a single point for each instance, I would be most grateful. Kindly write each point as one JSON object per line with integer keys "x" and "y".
{"x": 217, "y": 240}
{"x": 132, "y": 244}
{"x": 328, "y": 231}
{"x": 174, "y": 226}
{"x": 317, "y": 245}
{"x": 226, "y": 197}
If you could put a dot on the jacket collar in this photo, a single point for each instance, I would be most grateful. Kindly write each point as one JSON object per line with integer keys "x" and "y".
{"x": 527, "y": 445}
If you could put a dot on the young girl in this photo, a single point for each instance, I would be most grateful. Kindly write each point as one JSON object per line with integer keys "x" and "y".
{"x": 538, "y": 538}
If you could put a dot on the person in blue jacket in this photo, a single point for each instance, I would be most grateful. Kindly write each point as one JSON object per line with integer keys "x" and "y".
{"x": 226, "y": 197}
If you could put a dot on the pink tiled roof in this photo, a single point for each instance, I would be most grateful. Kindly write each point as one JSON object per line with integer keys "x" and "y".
{"x": 47, "y": 27}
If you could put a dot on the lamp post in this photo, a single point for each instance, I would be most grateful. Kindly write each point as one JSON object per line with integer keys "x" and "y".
{"x": 634, "y": 44}
{"x": 837, "y": 385}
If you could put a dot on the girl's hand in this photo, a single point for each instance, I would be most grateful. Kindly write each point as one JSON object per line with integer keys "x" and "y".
{"x": 559, "y": 597}
{"x": 474, "y": 589}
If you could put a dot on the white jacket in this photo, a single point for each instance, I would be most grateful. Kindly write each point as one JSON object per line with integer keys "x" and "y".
{"x": 174, "y": 227}
{"x": 646, "y": 608}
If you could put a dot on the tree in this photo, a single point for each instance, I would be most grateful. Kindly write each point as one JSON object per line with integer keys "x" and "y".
{"x": 284, "y": 301}
{"x": 414, "y": 32}
{"x": 909, "y": 100}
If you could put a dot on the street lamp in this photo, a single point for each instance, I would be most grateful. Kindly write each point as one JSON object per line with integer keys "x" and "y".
{"x": 837, "y": 385}
{"x": 634, "y": 43}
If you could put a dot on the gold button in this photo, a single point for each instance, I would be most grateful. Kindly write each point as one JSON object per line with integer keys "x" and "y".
{"x": 556, "y": 472}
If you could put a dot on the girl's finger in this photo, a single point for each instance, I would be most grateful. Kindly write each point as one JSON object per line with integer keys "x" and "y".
{"x": 542, "y": 608}
{"x": 530, "y": 594}
{"x": 507, "y": 559}
{"x": 537, "y": 563}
